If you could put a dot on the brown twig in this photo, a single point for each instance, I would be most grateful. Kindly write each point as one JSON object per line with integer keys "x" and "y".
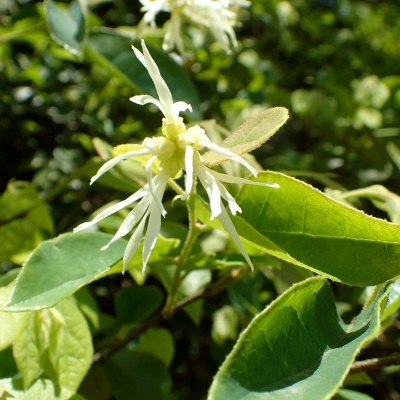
{"x": 374, "y": 363}
{"x": 210, "y": 291}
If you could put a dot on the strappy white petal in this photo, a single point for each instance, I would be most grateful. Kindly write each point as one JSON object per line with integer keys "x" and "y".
{"x": 114, "y": 161}
{"x": 189, "y": 171}
{"x": 131, "y": 220}
{"x": 235, "y": 179}
{"x": 227, "y": 224}
{"x": 115, "y": 208}
{"x": 166, "y": 103}
{"x": 133, "y": 243}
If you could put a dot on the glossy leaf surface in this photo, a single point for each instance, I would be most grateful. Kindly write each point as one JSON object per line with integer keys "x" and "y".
{"x": 297, "y": 347}
{"x": 59, "y": 267}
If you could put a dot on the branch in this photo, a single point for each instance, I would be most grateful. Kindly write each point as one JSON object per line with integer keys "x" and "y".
{"x": 210, "y": 291}
{"x": 374, "y": 363}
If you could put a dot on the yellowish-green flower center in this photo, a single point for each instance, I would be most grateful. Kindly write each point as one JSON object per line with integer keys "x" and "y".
{"x": 171, "y": 131}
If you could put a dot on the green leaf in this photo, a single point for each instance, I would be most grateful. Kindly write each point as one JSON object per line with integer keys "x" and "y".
{"x": 67, "y": 24}
{"x": 192, "y": 282}
{"x": 12, "y": 386}
{"x": 56, "y": 342}
{"x": 24, "y": 220}
{"x": 70, "y": 348}
{"x": 297, "y": 347}
{"x": 87, "y": 304}
{"x": 59, "y": 267}
{"x": 113, "y": 52}
{"x": 299, "y": 224}
{"x": 43, "y": 389}
{"x": 7, "y": 324}
{"x": 28, "y": 346}
{"x": 136, "y": 303}
{"x": 95, "y": 385}
{"x": 134, "y": 375}
{"x": 250, "y": 135}
{"x": 159, "y": 343}
{"x": 345, "y": 394}
{"x": 360, "y": 378}
{"x": 244, "y": 294}
{"x": 393, "y": 303}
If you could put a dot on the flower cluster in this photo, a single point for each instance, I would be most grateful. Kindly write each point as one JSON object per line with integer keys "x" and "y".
{"x": 217, "y": 16}
{"x": 178, "y": 149}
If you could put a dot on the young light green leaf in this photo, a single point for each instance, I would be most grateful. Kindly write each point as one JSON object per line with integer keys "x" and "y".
{"x": 159, "y": 343}
{"x": 43, "y": 389}
{"x": 297, "y": 347}
{"x": 59, "y": 267}
{"x": 393, "y": 303}
{"x": 55, "y": 342}
{"x": 7, "y": 324}
{"x": 67, "y": 24}
{"x": 70, "y": 348}
{"x": 113, "y": 51}
{"x": 251, "y": 134}
{"x": 299, "y": 224}
{"x": 29, "y": 345}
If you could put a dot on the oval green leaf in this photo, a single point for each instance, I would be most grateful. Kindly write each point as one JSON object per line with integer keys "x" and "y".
{"x": 250, "y": 135}
{"x": 59, "y": 267}
{"x": 301, "y": 225}
{"x": 297, "y": 348}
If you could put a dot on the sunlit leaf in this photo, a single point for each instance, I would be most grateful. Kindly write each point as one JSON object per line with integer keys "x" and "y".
{"x": 59, "y": 267}
{"x": 299, "y": 224}
{"x": 251, "y": 134}
{"x": 56, "y": 342}
{"x": 70, "y": 346}
{"x": 297, "y": 347}
{"x": 7, "y": 324}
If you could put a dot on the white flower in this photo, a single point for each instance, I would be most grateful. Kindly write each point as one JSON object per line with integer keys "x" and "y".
{"x": 217, "y": 16}
{"x": 179, "y": 148}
